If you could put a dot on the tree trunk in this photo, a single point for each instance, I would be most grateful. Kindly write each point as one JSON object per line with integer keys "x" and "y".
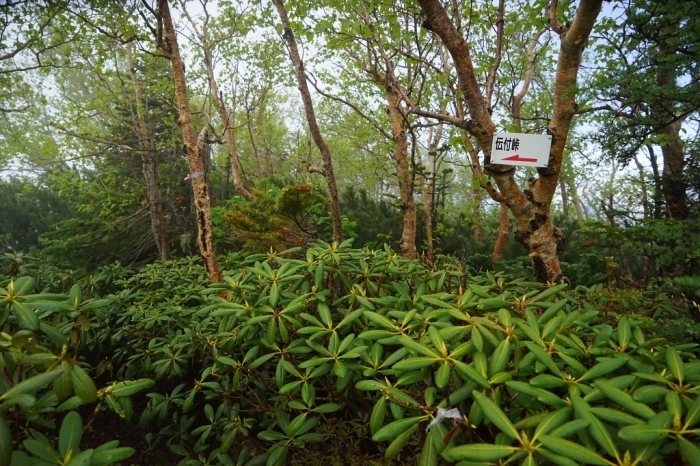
{"x": 217, "y": 98}
{"x": 403, "y": 169}
{"x": 502, "y": 237}
{"x": 658, "y": 189}
{"x": 674, "y": 186}
{"x": 253, "y": 133}
{"x": 170, "y": 47}
{"x": 531, "y": 208}
{"x": 643, "y": 185}
{"x": 149, "y": 163}
{"x": 576, "y": 200}
{"x": 311, "y": 120}
{"x": 564, "y": 197}
{"x": 227, "y": 119}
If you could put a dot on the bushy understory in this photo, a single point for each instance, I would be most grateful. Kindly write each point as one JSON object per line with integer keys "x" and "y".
{"x": 336, "y": 355}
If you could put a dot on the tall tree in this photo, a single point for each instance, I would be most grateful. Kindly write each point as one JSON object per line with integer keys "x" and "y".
{"x": 149, "y": 161}
{"x": 227, "y": 117}
{"x": 166, "y": 40}
{"x": 648, "y": 85}
{"x": 314, "y": 129}
{"x": 531, "y": 207}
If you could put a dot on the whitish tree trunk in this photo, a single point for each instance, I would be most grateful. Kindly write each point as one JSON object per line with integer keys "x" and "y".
{"x": 311, "y": 121}
{"x": 531, "y": 208}
{"x": 170, "y": 47}
{"x": 149, "y": 163}
{"x": 564, "y": 197}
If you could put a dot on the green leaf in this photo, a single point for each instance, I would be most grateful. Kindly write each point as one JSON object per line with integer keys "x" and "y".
{"x": 442, "y": 375}
{"x": 543, "y": 357}
{"x": 370, "y": 385}
{"x": 326, "y": 408}
{"x": 399, "y": 442}
{"x": 549, "y": 292}
{"x": 650, "y": 394}
{"x": 552, "y": 421}
{"x": 83, "y": 385}
{"x": 690, "y": 451}
{"x": 572, "y": 450}
{"x": 412, "y": 364}
{"x": 131, "y": 387}
{"x": 597, "y": 429}
{"x": 277, "y": 455}
{"x": 643, "y": 434}
{"x": 624, "y": 332}
{"x": 26, "y": 317}
{"x": 112, "y": 455}
{"x": 84, "y": 458}
{"x": 396, "y": 428}
{"x": 499, "y": 358}
{"x": 603, "y": 368}
{"x": 32, "y": 384}
{"x": 417, "y": 347}
{"x": 615, "y": 416}
{"x": 471, "y": 374}
{"x": 377, "y": 418}
{"x": 693, "y": 415}
{"x": 570, "y": 428}
{"x": 42, "y": 450}
{"x": 5, "y": 442}
{"x": 624, "y": 399}
{"x": 429, "y": 454}
{"x": 70, "y": 434}
{"x": 675, "y": 364}
{"x": 495, "y": 415}
{"x": 479, "y": 452}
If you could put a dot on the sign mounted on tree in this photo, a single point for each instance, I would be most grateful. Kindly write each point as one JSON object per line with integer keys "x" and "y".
{"x": 530, "y": 150}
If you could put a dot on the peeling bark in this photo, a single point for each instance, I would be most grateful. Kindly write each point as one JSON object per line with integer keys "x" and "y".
{"x": 170, "y": 47}
{"x": 403, "y": 169}
{"x": 531, "y": 208}
{"x": 315, "y": 131}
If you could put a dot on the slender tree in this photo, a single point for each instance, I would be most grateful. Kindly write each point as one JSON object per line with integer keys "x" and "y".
{"x": 166, "y": 38}
{"x": 149, "y": 161}
{"x": 314, "y": 129}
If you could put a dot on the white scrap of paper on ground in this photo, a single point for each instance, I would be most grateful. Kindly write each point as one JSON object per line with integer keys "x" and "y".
{"x": 443, "y": 413}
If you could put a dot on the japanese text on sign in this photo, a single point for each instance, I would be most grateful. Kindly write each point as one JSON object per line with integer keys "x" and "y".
{"x": 507, "y": 143}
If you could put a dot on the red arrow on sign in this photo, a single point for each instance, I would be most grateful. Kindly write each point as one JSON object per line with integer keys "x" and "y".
{"x": 517, "y": 158}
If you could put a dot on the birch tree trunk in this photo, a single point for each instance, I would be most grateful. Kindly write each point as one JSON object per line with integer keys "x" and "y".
{"x": 149, "y": 163}
{"x": 311, "y": 120}
{"x": 170, "y": 47}
{"x": 531, "y": 207}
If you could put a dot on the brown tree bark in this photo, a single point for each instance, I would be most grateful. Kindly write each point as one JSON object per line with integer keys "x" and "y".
{"x": 168, "y": 44}
{"x": 531, "y": 208}
{"x": 217, "y": 98}
{"x": 502, "y": 237}
{"x": 315, "y": 131}
{"x": 403, "y": 169}
{"x": 673, "y": 185}
{"x": 149, "y": 163}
